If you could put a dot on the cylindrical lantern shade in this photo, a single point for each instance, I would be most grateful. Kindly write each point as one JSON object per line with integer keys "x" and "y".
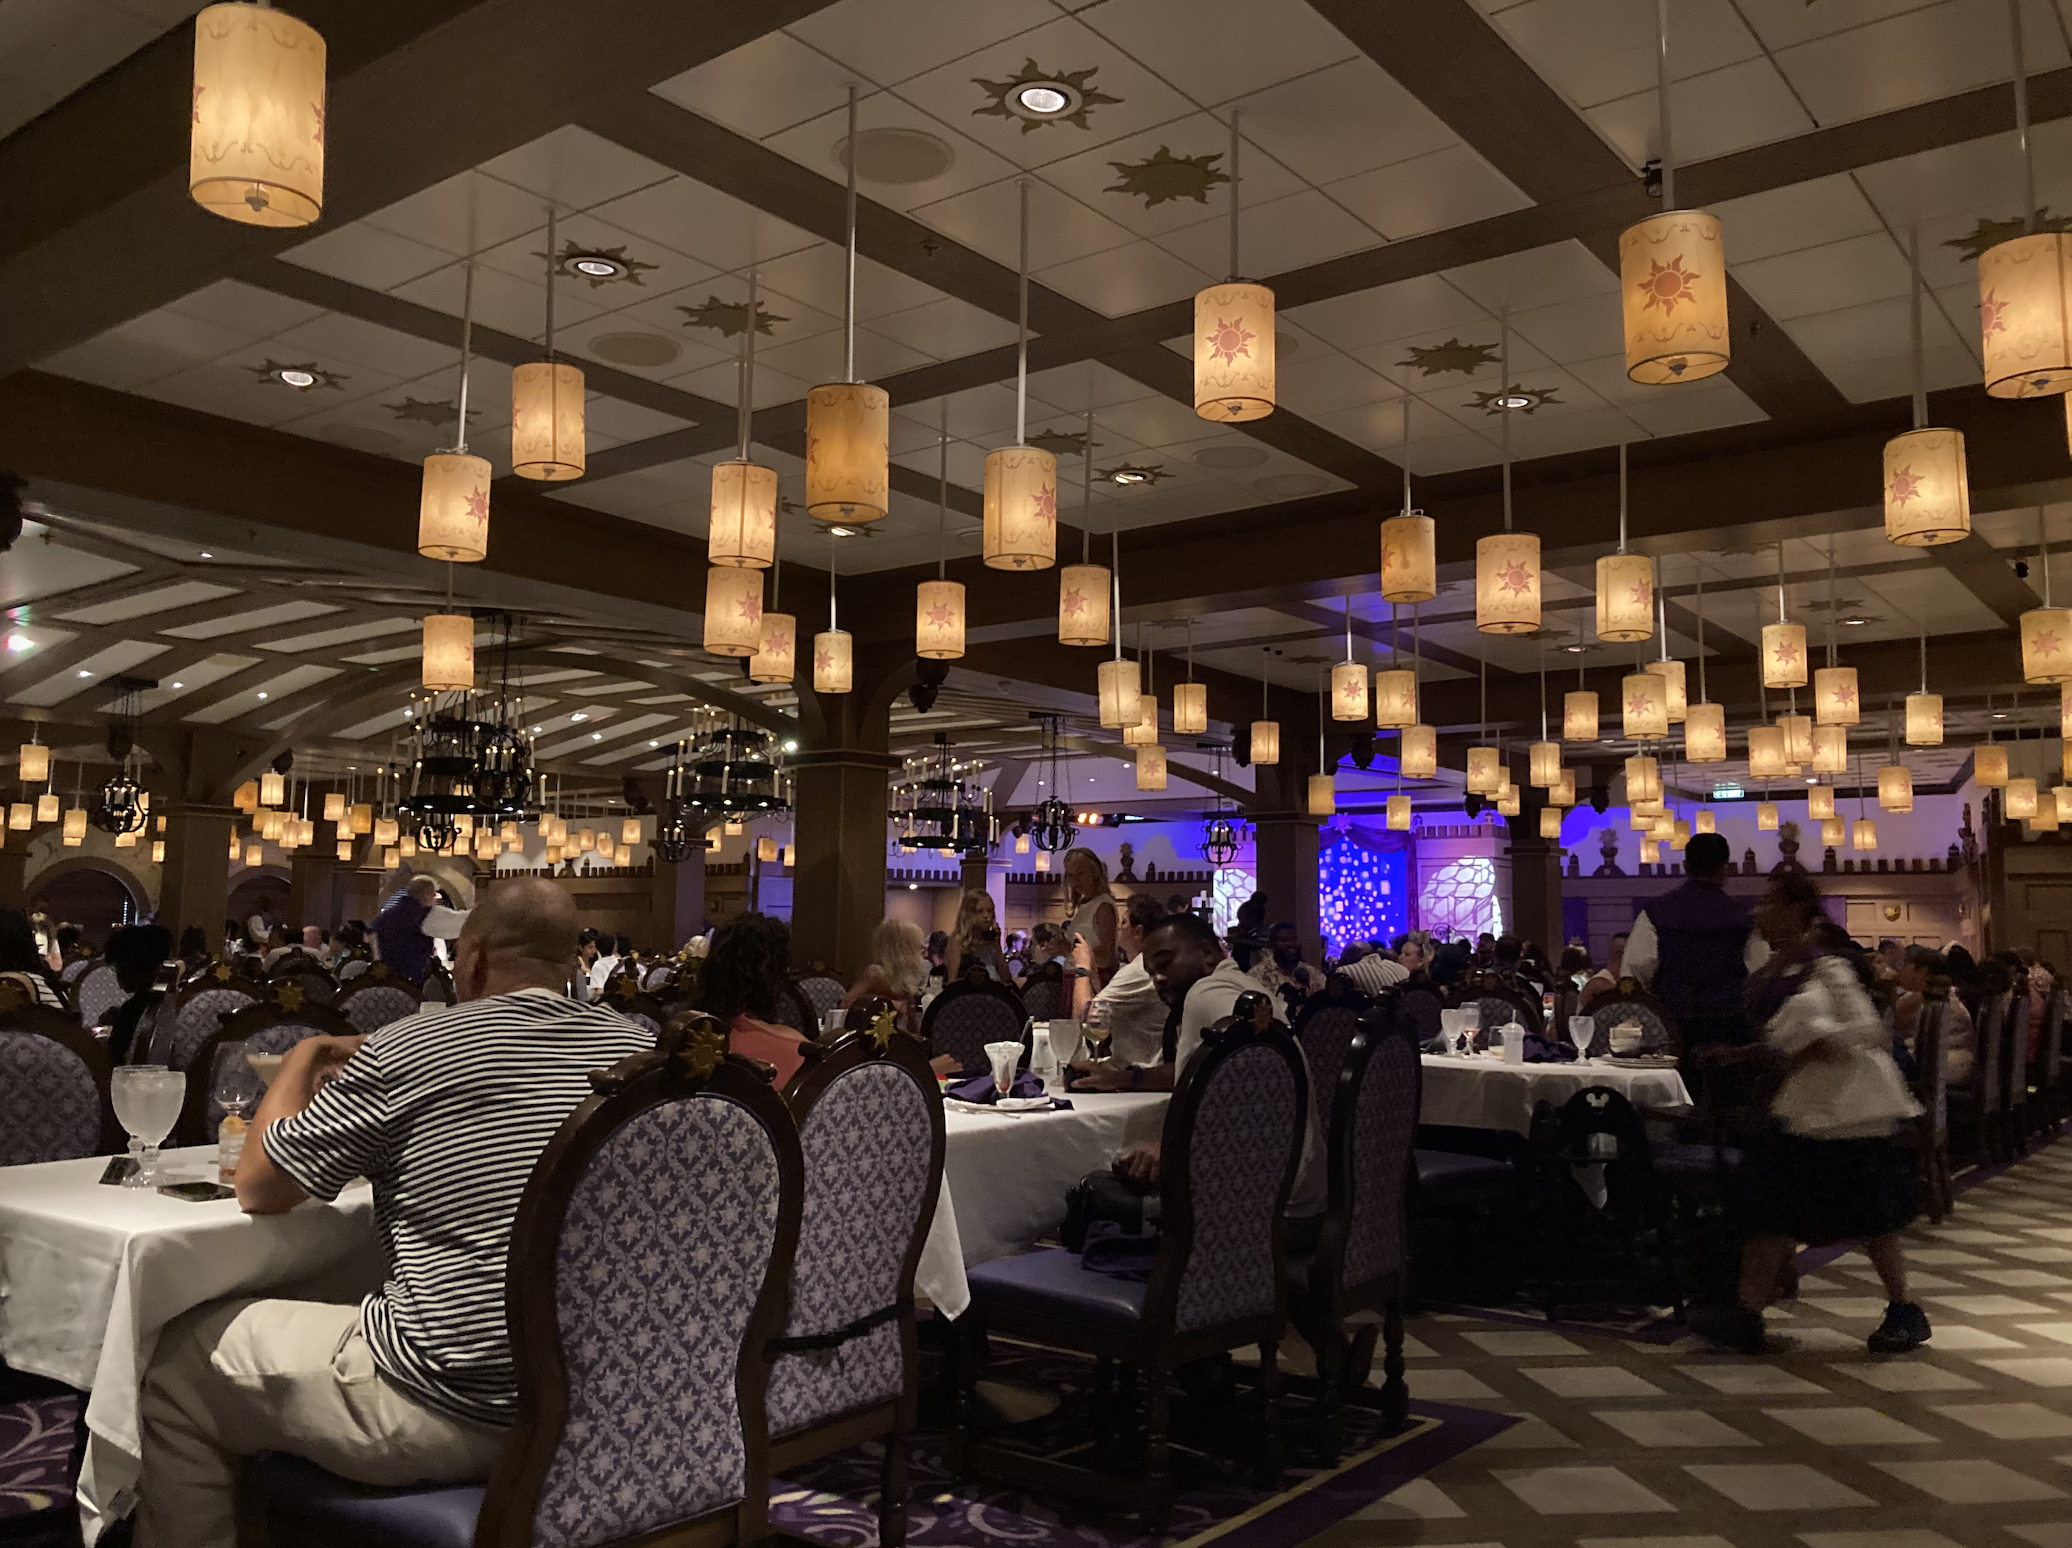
{"x": 2019, "y": 798}
{"x": 1409, "y": 559}
{"x": 255, "y": 149}
{"x": 246, "y": 799}
{"x": 1399, "y": 814}
{"x": 1042, "y": 859}
{"x": 939, "y": 620}
{"x": 158, "y": 851}
{"x": 1417, "y": 755}
{"x": 1233, "y": 352}
{"x": 547, "y": 420}
{"x": 848, "y": 428}
{"x": 406, "y": 846}
{"x": 47, "y": 806}
{"x": 742, "y": 530}
{"x": 449, "y": 652}
{"x": 1830, "y": 749}
{"x": 345, "y": 849}
{"x": 1863, "y": 834}
{"x": 35, "y": 763}
{"x": 1705, "y": 733}
{"x": 1650, "y": 851}
{"x": 1120, "y": 686}
{"x": 1579, "y": 716}
{"x": 1924, "y": 719}
{"x": 586, "y": 843}
{"x": 75, "y": 824}
{"x": 1507, "y": 801}
{"x": 1784, "y": 655}
{"x": 1151, "y": 767}
{"x": 255, "y": 854}
{"x": 386, "y": 832}
{"x": 1484, "y": 776}
{"x": 765, "y": 850}
{"x": 833, "y": 661}
{"x": 334, "y": 806}
{"x": 1644, "y": 706}
{"x": 1765, "y": 752}
{"x": 1820, "y": 801}
{"x": 2047, "y": 645}
{"x": 1543, "y": 764}
{"x": 1082, "y": 604}
{"x": 1507, "y": 583}
{"x": 453, "y": 508}
{"x": 2025, "y": 325}
{"x": 1266, "y": 743}
{"x": 1563, "y": 791}
{"x": 1766, "y": 816}
{"x": 1144, "y": 731}
{"x": 1705, "y": 823}
{"x": 1021, "y": 509}
{"x": 1349, "y": 691}
{"x": 1835, "y": 701}
{"x": 1798, "y": 738}
{"x": 1679, "y": 834}
{"x": 733, "y": 611}
{"x": 1395, "y": 699}
{"x": 1323, "y": 795}
{"x": 273, "y": 788}
{"x": 776, "y": 656}
{"x": 1672, "y": 675}
{"x": 1643, "y": 781}
{"x": 605, "y": 850}
{"x": 2049, "y": 813}
{"x": 236, "y": 844}
{"x": 21, "y": 817}
{"x": 1927, "y": 493}
{"x": 1673, "y": 294}
{"x": 1190, "y": 709}
{"x": 1625, "y": 598}
{"x": 1832, "y": 831}
{"x": 1988, "y": 767}
{"x": 360, "y": 818}
{"x": 1896, "y": 788}
{"x": 1550, "y": 822}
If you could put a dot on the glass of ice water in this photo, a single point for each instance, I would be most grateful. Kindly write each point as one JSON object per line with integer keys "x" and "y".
{"x": 147, "y": 1099}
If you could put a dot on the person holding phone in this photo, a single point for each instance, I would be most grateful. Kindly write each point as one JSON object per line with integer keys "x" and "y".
{"x": 975, "y": 942}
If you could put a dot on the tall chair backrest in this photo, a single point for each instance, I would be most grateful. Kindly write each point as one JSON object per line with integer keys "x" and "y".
{"x": 97, "y": 994}
{"x": 967, "y": 1016}
{"x": 1046, "y": 996}
{"x": 1631, "y": 1003}
{"x": 823, "y": 993}
{"x": 1932, "y": 1064}
{"x": 266, "y": 1026}
{"x": 1986, "y": 1079}
{"x": 1500, "y": 1002}
{"x": 53, "y": 1085}
{"x": 1231, "y": 1144}
{"x": 2050, "y": 1056}
{"x": 374, "y": 998}
{"x": 1420, "y": 1008}
{"x": 648, "y": 1269}
{"x": 76, "y": 969}
{"x": 1325, "y": 1027}
{"x": 1370, "y": 1143}
{"x": 438, "y": 983}
{"x": 2014, "y": 1051}
{"x": 870, "y": 1120}
{"x": 199, "y": 1013}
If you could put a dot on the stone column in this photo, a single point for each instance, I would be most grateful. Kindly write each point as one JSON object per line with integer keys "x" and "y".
{"x": 1284, "y": 844}
{"x": 312, "y": 881}
{"x": 1535, "y": 876}
{"x": 194, "y": 883}
{"x": 677, "y": 907}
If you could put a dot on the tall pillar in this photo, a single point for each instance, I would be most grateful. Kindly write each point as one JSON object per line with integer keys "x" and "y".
{"x": 194, "y": 883}
{"x": 1535, "y": 876}
{"x": 676, "y": 907}
{"x": 14, "y": 868}
{"x": 312, "y": 881}
{"x": 1284, "y": 845}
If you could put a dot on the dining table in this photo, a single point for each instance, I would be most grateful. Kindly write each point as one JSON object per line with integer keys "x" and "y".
{"x": 1483, "y": 1091}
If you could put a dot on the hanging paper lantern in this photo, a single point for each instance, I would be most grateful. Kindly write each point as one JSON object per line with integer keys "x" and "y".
{"x": 776, "y": 655}
{"x": 1924, "y": 720}
{"x": 247, "y": 798}
{"x": 406, "y": 846}
{"x": 1679, "y": 835}
{"x": 1151, "y": 767}
{"x": 848, "y": 426}
{"x": 1507, "y": 803}
{"x": 2047, "y": 645}
{"x": 1650, "y": 852}
{"x": 1483, "y": 775}
{"x": 1625, "y": 598}
{"x": 1705, "y": 823}
{"x": 1672, "y": 675}
{"x": 21, "y": 817}
{"x": 1832, "y": 832}
{"x": 1835, "y": 700}
{"x": 386, "y": 832}
{"x": 1673, "y": 294}
{"x": 1190, "y": 709}
{"x": 360, "y": 818}
{"x": 1395, "y": 699}
{"x": 1896, "y": 788}
{"x": 1409, "y": 559}
{"x": 1550, "y": 822}
{"x": 1863, "y": 834}
{"x": 547, "y": 421}
{"x": 158, "y": 851}
{"x": 605, "y": 849}
{"x": 255, "y": 854}
{"x": 733, "y": 611}
{"x": 1705, "y": 733}
{"x": 1765, "y": 752}
{"x": 1563, "y": 791}
{"x": 1266, "y": 743}
{"x": 765, "y": 848}
{"x": 75, "y": 825}
{"x": 236, "y": 845}
{"x": 2049, "y": 813}
{"x": 1766, "y": 816}
{"x": 1543, "y": 764}
{"x": 1830, "y": 749}
{"x": 35, "y": 763}
{"x": 1820, "y": 801}
{"x": 742, "y": 529}
{"x": 1042, "y": 859}
{"x": 1233, "y": 352}
{"x": 1021, "y": 509}
{"x": 586, "y": 843}
{"x": 1417, "y": 754}
{"x": 1082, "y": 604}
{"x": 2025, "y": 325}
{"x": 1579, "y": 716}
{"x": 1507, "y": 583}
{"x": 1662, "y": 828}
{"x": 1640, "y": 821}
{"x": 449, "y": 652}
{"x": 2019, "y": 798}
{"x": 1644, "y": 707}
{"x": 345, "y": 849}
{"x": 1021, "y": 843}
{"x": 1927, "y": 493}
{"x": 1643, "y": 780}
{"x": 1399, "y": 814}
{"x": 1798, "y": 738}
{"x": 1323, "y": 795}
{"x": 1144, "y": 732}
{"x": 255, "y": 149}
{"x": 833, "y": 661}
{"x": 273, "y": 788}
{"x": 453, "y": 508}
{"x": 939, "y": 620}
{"x": 1119, "y": 685}
{"x": 1988, "y": 766}
{"x": 1784, "y": 655}
{"x": 334, "y": 806}
{"x": 1349, "y": 691}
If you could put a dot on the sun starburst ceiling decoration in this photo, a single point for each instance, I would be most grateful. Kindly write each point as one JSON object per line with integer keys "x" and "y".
{"x": 302, "y": 375}
{"x": 1508, "y": 399}
{"x": 599, "y": 265}
{"x": 1991, "y": 233}
{"x": 1063, "y": 443}
{"x": 1162, "y": 177}
{"x": 1133, "y": 475}
{"x": 436, "y": 412}
{"x": 730, "y": 318}
{"x": 1436, "y": 359}
{"x": 1087, "y": 95}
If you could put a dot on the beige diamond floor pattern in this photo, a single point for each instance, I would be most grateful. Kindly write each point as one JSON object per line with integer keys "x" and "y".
{"x": 1819, "y": 1444}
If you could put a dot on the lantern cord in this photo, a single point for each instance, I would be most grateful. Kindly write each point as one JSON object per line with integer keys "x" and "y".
{"x": 1703, "y": 697}
{"x": 467, "y": 339}
{"x": 1504, "y": 404}
{"x": 552, "y": 214}
{"x": 2021, "y": 117}
{"x": 1021, "y": 348}
{"x": 744, "y": 417}
{"x": 1830, "y": 602}
{"x": 2043, "y": 554}
{"x": 1086, "y": 493}
{"x": 1235, "y": 114}
{"x": 1662, "y": 101}
{"x": 1406, "y": 454}
{"x": 1914, "y": 322}
{"x": 833, "y": 552}
{"x": 942, "y": 495}
{"x": 849, "y": 277}
{"x": 1543, "y": 689}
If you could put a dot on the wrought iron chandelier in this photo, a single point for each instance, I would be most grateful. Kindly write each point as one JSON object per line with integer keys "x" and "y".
{"x": 1224, "y": 833}
{"x": 1052, "y": 826}
{"x": 123, "y": 807}
{"x": 731, "y": 769}
{"x": 940, "y": 804}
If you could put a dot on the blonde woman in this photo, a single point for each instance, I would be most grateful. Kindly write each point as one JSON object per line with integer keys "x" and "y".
{"x": 896, "y": 971}
{"x": 975, "y": 942}
{"x": 1093, "y": 912}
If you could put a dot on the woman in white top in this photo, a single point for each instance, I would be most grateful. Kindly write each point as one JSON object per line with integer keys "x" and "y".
{"x": 1094, "y": 912}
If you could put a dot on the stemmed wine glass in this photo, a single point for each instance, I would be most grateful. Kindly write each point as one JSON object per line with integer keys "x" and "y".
{"x": 235, "y": 1087}
{"x": 147, "y": 1098}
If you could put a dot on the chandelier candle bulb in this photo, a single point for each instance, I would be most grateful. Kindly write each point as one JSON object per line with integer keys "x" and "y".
{"x": 1323, "y": 795}
{"x": 547, "y": 421}
{"x": 1625, "y": 598}
{"x": 1543, "y": 764}
{"x": 1266, "y": 743}
{"x": 1896, "y": 788}
{"x": 1507, "y": 583}
{"x": 1021, "y": 509}
{"x": 1190, "y": 709}
{"x": 449, "y": 652}
{"x": 1399, "y": 814}
{"x": 1484, "y": 777}
{"x": 1673, "y": 297}
{"x": 1409, "y": 559}
{"x": 1082, "y": 604}
{"x": 848, "y": 429}
{"x": 453, "y": 508}
{"x": 1395, "y": 699}
{"x": 1765, "y": 752}
{"x": 1418, "y": 752}
{"x": 733, "y": 611}
{"x": 1349, "y": 692}
{"x": 1579, "y": 716}
{"x": 1784, "y": 655}
{"x": 255, "y": 149}
{"x": 1798, "y": 738}
{"x": 1705, "y": 733}
{"x": 1927, "y": 491}
{"x": 1120, "y": 686}
{"x": 743, "y": 524}
{"x": 776, "y": 656}
{"x": 1644, "y": 707}
{"x": 1672, "y": 675}
{"x": 1835, "y": 699}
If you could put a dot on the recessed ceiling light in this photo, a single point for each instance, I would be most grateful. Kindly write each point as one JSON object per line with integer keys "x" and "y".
{"x": 838, "y": 530}
{"x": 1510, "y": 400}
{"x": 19, "y": 643}
{"x": 654, "y": 744}
{"x": 262, "y": 693}
{"x": 791, "y": 746}
{"x": 1574, "y": 650}
{"x": 1812, "y": 779}
{"x": 1044, "y": 99}
{"x": 1127, "y": 476}
{"x": 535, "y": 730}
{"x": 296, "y": 377}
{"x": 86, "y": 674}
{"x": 179, "y": 685}
{"x": 596, "y": 736}
{"x": 207, "y": 555}
{"x": 1852, "y": 623}
{"x": 596, "y": 266}
{"x": 2000, "y": 714}
{"x": 577, "y": 718}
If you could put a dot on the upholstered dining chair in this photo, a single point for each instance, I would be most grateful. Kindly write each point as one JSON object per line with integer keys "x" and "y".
{"x": 967, "y": 1016}
{"x": 1228, "y": 1153}
{"x": 2047, "y": 1102}
{"x": 374, "y": 998}
{"x": 823, "y": 992}
{"x": 266, "y": 1026}
{"x": 96, "y": 994}
{"x": 76, "y": 969}
{"x": 438, "y": 983}
{"x": 1929, "y": 1134}
{"x": 1421, "y": 1005}
{"x": 298, "y": 967}
{"x": 846, "y": 1369}
{"x": 199, "y": 1010}
{"x": 1325, "y": 1026}
{"x": 1630, "y": 1002}
{"x": 2011, "y": 1091}
{"x": 643, "y": 1010}
{"x": 1046, "y": 993}
{"x": 647, "y": 1273}
{"x": 1975, "y": 1122}
{"x": 1501, "y": 1001}
{"x": 53, "y": 1085}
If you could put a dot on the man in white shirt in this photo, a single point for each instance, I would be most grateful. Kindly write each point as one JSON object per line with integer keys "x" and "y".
{"x": 1129, "y": 1008}
{"x": 607, "y": 962}
{"x": 1370, "y": 969}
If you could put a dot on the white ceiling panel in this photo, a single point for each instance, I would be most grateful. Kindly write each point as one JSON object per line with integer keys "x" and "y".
{"x": 244, "y": 703}
{"x": 103, "y": 664}
{"x": 1450, "y": 187}
{"x": 38, "y": 567}
{"x": 158, "y": 600}
{"x": 258, "y": 618}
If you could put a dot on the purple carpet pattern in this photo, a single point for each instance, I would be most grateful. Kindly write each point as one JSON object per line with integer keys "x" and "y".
{"x": 35, "y": 1455}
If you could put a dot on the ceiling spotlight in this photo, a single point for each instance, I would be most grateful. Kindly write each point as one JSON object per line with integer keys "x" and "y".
{"x": 1044, "y": 99}
{"x": 791, "y": 746}
{"x": 1574, "y": 650}
{"x": 1856, "y": 622}
{"x": 207, "y": 555}
{"x": 179, "y": 685}
{"x": 577, "y": 718}
{"x": 262, "y": 693}
{"x": 86, "y": 674}
{"x": 654, "y": 744}
{"x": 2000, "y": 714}
{"x": 1127, "y": 476}
{"x": 1511, "y": 400}
{"x": 836, "y": 529}
{"x": 297, "y": 377}
{"x": 19, "y": 643}
{"x": 596, "y": 736}
{"x": 596, "y": 266}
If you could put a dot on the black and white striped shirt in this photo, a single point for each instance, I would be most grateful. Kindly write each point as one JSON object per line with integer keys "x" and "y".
{"x": 446, "y": 1114}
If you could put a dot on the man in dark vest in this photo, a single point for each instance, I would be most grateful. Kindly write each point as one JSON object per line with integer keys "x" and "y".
{"x": 409, "y": 922}
{"x": 1695, "y": 946}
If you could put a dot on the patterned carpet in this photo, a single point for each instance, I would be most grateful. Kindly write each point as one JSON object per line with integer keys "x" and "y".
{"x": 35, "y": 1455}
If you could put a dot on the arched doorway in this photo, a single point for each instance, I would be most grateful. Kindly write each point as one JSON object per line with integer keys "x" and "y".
{"x": 95, "y": 899}
{"x": 260, "y": 890}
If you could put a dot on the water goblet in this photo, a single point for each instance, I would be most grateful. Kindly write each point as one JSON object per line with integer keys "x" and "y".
{"x": 147, "y": 1099}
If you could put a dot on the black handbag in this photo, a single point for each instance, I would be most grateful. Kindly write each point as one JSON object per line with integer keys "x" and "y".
{"x": 1101, "y": 1196}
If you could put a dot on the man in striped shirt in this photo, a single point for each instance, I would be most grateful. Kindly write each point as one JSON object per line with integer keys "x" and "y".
{"x": 445, "y": 1115}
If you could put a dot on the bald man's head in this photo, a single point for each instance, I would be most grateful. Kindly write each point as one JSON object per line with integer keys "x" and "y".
{"x": 522, "y": 934}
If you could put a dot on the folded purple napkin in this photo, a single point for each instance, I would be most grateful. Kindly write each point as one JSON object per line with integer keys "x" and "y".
{"x": 1539, "y": 1051}
{"x": 1118, "y": 1253}
{"x": 981, "y": 1088}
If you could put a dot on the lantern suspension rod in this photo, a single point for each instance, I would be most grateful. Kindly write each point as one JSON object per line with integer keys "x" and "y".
{"x": 833, "y": 554}
{"x": 2043, "y": 554}
{"x": 1780, "y": 580}
{"x": 553, "y": 215}
{"x": 1924, "y": 660}
{"x": 1349, "y": 624}
{"x": 1485, "y": 695}
{"x": 1021, "y": 347}
{"x": 1543, "y": 688}
{"x": 1190, "y": 650}
{"x": 1703, "y": 696}
{"x": 1830, "y": 601}
{"x": 1622, "y": 497}
{"x": 2021, "y": 117}
{"x": 1321, "y": 680}
{"x": 1235, "y": 115}
{"x": 1504, "y": 387}
{"x": 1416, "y": 642}
{"x": 1115, "y": 583}
{"x": 942, "y": 494}
{"x": 744, "y": 416}
{"x": 1086, "y": 493}
{"x": 1265, "y": 651}
{"x": 849, "y": 274}
{"x": 467, "y": 340}
{"x": 1662, "y": 614}
{"x": 1406, "y": 454}
{"x": 1914, "y": 323}
{"x": 1662, "y": 102}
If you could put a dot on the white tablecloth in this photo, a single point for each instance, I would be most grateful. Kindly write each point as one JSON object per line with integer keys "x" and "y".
{"x": 1485, "y": 1093}
{"x": 90, "y": 1274}
{"x": 1005, "y": 1176}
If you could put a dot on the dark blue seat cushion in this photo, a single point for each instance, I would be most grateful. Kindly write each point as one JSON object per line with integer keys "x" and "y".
{"x": 1446, "y": 1179}
{"x": 1682, "y": 1161}
{"x": 303, "y": 1505}
{"x": 1052, "y": 1281}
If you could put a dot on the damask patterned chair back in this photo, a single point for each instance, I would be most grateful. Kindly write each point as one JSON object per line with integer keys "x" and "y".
{"x": 1232, "y": 1140}
{"x": 1501, "y": 1002}
{"x": 823, "y": 992}
{"x": 1047, "y": 996}
{"x": 438, "y": 983}
{"x": 1986, "y": 1068}
{"x": 53, "y": 1085}
{"x": 2012, "y": 1095}
{"x": 644, "y": 1011}
{"x": 1932, "y": 1064}
{"x": 374, "y": 999}
{"x": 656, "y": 977}
{"x": 794, "y": 1011}
{"x": 2050, "y": 1052}
{"x": 77, "y": 969}
{"x": 270, "y": 1026}
{"x": 648, "y": 1272}
{"x": 1630, "y": 1002}
{"x": 199, "y": 1014}
{"x": 1325, "y": 1027}
{"x": 870, "y": 1121}
{"x": 1369, "y": 1142}
{"x": 97, "y": 995}
{"x": 352, "y": 968}
{"x": 1420, "y": 1008}
{"x": 306, "y": 973}
{"x": 967, "y": 1016}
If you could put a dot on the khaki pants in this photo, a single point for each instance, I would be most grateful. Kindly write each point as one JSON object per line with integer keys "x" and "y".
{"x": 235, "y": 1378}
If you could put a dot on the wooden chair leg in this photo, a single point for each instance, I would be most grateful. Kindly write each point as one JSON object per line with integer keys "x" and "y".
{"x": 1273, "y": 1454}
{"x": 1158, "y": 1478}
{"x": 892, "y": 1493}
{"x": 967, "y": 1342}
{"x": 1333, "y": 1360}
{"x": 1395, "y": 1391}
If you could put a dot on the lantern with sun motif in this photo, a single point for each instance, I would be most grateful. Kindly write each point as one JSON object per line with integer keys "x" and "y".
{"x": 939, "y": 620}
{"x": 1082, "y": 604}
{"x": 1417, "y": 754}
{"x": 1644, "y": 707}
{"x": 1507, "y": 583}
{"x": 1927, "y": 492}
{"x": 1765, "y": 752}
{"x": 449, "y": 652}
{"x": 848, "y": 429}
{"x": 1625, "y": 598}
{"x": 776, "y": 655}
{"x": 1543, "y": 764}
{"x": 1672, "y": 675}
{"x": 1798, "y": 738}
{"x": 834, "y": 661}
{"x": 1989, "y": 766}
{"x": 1395, "y": 699}
{"x": 1830, "y": 749}
{"x": 1550, "y": 822}
{"x": 1399, "y": 814}
{"x": 1266, "y": 743}
{"x": 1766, "y": 817}
{"x": 1835, "y": 701}
{"x": 1896, "y": 788}
{"x": 1120, "y": 684}
{"x": 1151, "y": 768}
{"x": 453, "y": 508}
{"x": 1409, "y": 559}
{"x": 1705, "y": 733}
{"x": 1784, "y": 655}
{"x": 1924, "y": 720}
{"x": 1323, "y": 795}
{"x": 1820, "y": 801}
{"x": 1673, "y": 294}
{"x": 1643, "y": 781}
{"x": 2025, "y": 324}
{"x": 256, "y": 146}
{"x": 1349, "y": 691}
{"x": 1190, "y": 709}
{"x": 1484, "y": 776}
{"x": 2018, "y": 799}
{"x": 1021, "y": 509}
{"x": 1233, "y": 352}
{"x": 742, "y": 528}
{"x": 733, "y": 611}
{"x": 1579, "y": 716}
{"x": 2047, "y": 645}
